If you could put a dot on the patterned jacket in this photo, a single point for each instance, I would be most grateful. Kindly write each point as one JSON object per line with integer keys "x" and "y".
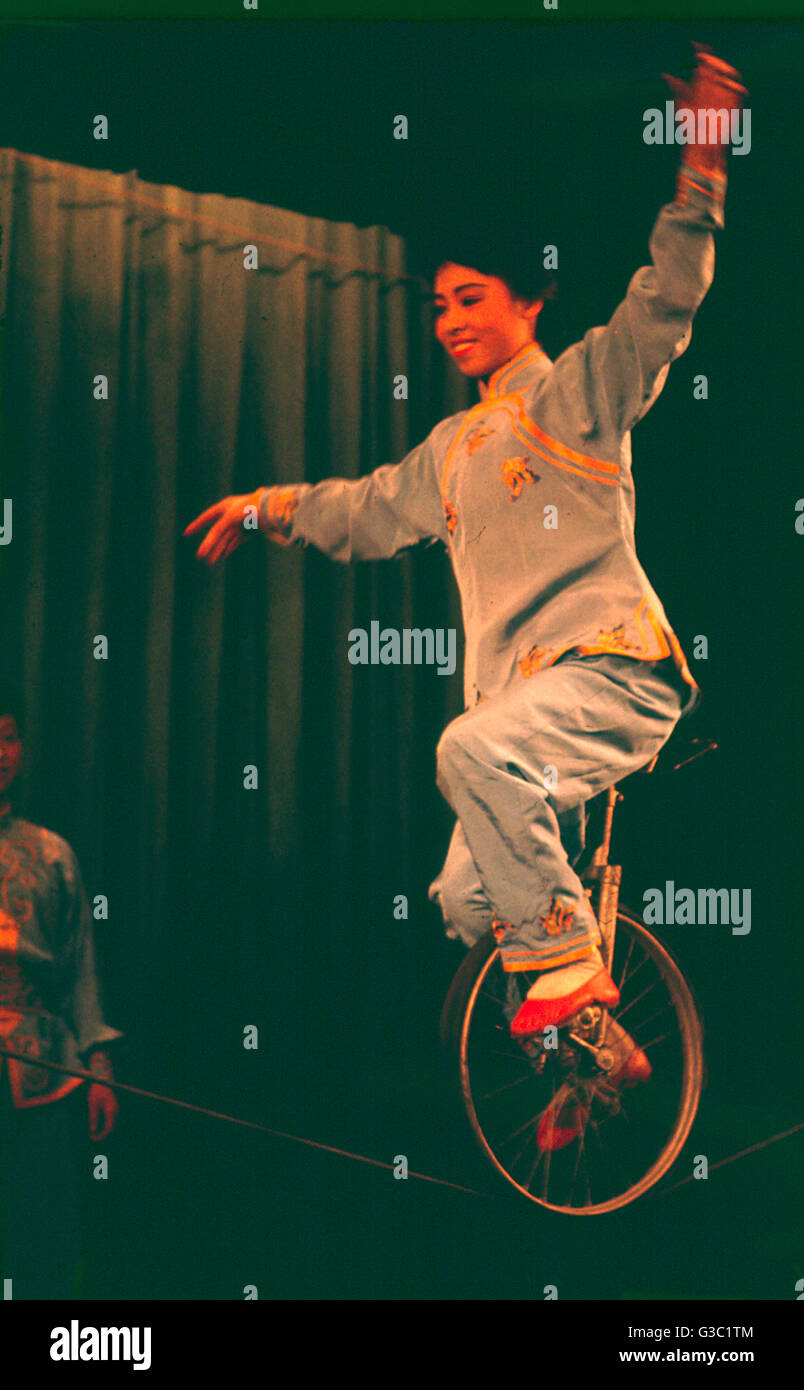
{"x": 49, "y": 998}
{"x": 531, "y": 489}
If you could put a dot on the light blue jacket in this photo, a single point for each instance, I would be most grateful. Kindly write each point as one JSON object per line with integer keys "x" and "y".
{"x": 49, "y": 997}
{"x": 531, "y": 489}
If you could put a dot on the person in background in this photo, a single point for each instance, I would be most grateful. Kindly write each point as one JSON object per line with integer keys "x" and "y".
{"x": 50, "y": 1008}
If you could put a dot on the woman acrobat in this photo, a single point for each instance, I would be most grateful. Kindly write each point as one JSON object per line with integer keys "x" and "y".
{"x": 573, "y": 675}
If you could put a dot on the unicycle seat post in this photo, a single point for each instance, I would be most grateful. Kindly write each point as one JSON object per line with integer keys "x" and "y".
{"x": 601, "y": 855}
{"x": 606, "y": 878}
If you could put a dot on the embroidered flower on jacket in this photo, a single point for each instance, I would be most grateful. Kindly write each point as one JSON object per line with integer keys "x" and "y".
{"x": 17, "y": 991}
{"x": 8, "y": 1020}
{"x": 615, "y": 637}
{"x": 530, "y": 663}
{"x": 9, "y": 935}
{"x": 558, "y": 919}
{"x": 451, "y": 517}
{"x": 475, "y": 438}
{"x": 516, "y": 472}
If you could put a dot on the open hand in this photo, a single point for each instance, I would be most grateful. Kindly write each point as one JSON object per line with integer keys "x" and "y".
{"x": 225, "y": 520}
{"x": 714, "y": 84}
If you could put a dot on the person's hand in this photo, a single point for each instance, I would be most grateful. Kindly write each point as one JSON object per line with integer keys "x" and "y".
{"x": 225, "y": 520}
{"x": 102, "y": 1110}
{"x": 715, "y": 85}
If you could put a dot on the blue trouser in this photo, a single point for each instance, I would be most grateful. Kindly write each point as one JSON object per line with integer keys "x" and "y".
{"x": 41, "y": 1149}
{"x": 517, "y": 771}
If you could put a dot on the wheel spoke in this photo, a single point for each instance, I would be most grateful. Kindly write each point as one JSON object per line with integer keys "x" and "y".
{"x": 547, "y": 1175}
{"x": 506, "y": 1087}
{"x": 583, "y": 1154}
{"x": 517, "y": 1157}
{"x": 577, "y": 1161}
{"x": 654, "y": 1041}
{"x": 643, "y": 995}
{"x": 645, "y": 1021}
{"x": 543, "y": 1153}
{"x": 515, "y": 1056}
{"x": 515, "y": 1132}
{"x": 625, "y": 967}
{"x": 634, "y": 972}
{"x": 540, "y": 1154}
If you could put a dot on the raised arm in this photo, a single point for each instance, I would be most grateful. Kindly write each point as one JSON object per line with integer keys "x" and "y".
{"x": 622, "y": 367}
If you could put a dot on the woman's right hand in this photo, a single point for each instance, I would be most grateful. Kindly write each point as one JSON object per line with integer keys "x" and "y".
{"x": 226, "y": 522}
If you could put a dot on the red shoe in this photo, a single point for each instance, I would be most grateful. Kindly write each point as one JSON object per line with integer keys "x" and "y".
{"x": 564, "y": 1118}
{"x": 561, "y": 1122}
{"x": 631, "y": 1066}
{"x": 537, "y": 1014}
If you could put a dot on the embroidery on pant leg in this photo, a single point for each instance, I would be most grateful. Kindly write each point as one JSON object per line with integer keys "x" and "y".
{"x": 499, "y": 928}
{"x": 558, "y": 918}
{"x": 450, "y": 516}
{"x": 530, "y": 662}
{"x": 516, "y": 472}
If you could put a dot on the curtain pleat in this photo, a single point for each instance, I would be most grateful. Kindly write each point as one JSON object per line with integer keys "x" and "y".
{"x": 220, "y": 379}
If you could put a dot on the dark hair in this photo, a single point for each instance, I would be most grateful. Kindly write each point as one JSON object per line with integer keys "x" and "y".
{"x": 11, "y": 703}
{"x": 490, "y": 247}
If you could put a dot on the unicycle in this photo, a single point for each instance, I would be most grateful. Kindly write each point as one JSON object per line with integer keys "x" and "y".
{"x": 628, "y": 1137}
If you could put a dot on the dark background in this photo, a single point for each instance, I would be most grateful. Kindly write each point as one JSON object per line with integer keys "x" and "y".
{"x": 544, "y": 125}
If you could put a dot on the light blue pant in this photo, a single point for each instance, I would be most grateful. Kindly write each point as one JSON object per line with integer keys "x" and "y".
{"x": 517, "y": 771}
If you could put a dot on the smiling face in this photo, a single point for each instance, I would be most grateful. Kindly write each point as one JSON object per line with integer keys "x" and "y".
{"x": 478, "y": 320}
{"x": 10, "y": 753}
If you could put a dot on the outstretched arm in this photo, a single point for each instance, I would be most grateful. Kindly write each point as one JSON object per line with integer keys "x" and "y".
{"x": 368, "y": 518}
{"x": 623, "y": 366}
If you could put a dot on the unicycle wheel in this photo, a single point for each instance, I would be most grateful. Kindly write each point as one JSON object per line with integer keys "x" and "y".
{"x": 627, "y": 1138}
